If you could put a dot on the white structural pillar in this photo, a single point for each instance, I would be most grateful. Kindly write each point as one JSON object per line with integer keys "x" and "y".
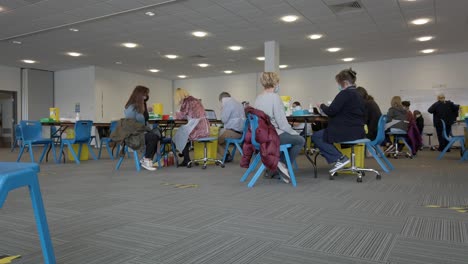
{"x": 272, "y": 56}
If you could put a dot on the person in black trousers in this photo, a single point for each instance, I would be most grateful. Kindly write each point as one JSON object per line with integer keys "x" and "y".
{"x": 372, "y": 115}
{"x": 346, "y": 120}
{"x": 443, "y": 110}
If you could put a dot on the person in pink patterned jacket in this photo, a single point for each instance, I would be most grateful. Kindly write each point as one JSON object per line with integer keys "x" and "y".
{"x": 192, "y": 109}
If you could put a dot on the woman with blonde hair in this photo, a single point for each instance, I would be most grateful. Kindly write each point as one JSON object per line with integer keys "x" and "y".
{"x": 197, "y": 127}
{"x": 270, "y": 102}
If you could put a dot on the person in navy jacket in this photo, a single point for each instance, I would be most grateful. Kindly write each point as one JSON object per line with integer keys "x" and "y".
{"x": 346, "y": 120}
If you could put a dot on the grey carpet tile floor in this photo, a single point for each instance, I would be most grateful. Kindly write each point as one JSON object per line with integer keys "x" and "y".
{"x": 180, "y": 215}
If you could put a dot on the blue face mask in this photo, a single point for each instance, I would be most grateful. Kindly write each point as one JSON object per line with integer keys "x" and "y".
{"x": 340, "y": 88}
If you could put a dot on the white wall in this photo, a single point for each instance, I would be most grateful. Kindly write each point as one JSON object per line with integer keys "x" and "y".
{"x": 10, "y": 80}
{"x": 242, "y": 87}
{"x": 76, "y": 86}
{"x": 113, "y": 88}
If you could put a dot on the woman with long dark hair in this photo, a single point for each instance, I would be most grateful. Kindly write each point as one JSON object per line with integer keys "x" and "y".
{"x": 136, "y": 108}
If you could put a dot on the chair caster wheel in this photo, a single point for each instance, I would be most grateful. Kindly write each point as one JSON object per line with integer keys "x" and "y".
{"x": 222, "y": 165}
{"x": 196, "y": 164}
{"x": 331, "y": 178}
{"x": 204, "y": 167}
{"x": 363, "y": 174}
{"x": 359, "y": 179}
{"x": 378, "y": 177}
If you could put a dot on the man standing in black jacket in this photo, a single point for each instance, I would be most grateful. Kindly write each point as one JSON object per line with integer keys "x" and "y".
{"x": 446, "y": 111}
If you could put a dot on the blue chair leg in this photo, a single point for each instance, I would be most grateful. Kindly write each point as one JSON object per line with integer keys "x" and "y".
{"x": 41, "y": 221}
{"x": 234, "y": 150}
{"x": 119, "y": 162}
{"x": 381, "y": 154}
{"x": 46, "y": 147}
{"x": 256, "y": 176}
{"x": 31, "y": 152}
{"x": 20, "y": 153}
{"x": 90, "y": 150}
{"x": 226, "y": 151}
{"x": 239, "y": 147}
{"x": 290, "y": 167}
{"x": 449, "y": 145}
{"x": 109, "y": 150}
{"x": 252, "y": 167}
{"x": 80, "y": 148}
{"x": 72, "y": 151}
{"x": 137, "y": 160}
{"x": 371, "y": 150}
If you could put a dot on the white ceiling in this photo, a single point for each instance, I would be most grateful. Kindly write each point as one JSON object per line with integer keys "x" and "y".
{"x": 382, "y": 30}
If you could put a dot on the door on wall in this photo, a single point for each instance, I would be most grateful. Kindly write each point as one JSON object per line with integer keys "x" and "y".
{"x": 7, "y": 118}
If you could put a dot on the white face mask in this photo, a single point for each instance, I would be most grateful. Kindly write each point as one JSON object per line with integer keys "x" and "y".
{"x": 297, "y": 108}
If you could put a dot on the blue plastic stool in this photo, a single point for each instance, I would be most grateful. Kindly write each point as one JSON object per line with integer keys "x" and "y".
{"x": 135, "y": 157}
{"x": 17, "y": 175}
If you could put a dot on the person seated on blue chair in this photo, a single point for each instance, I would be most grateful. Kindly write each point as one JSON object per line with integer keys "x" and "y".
{"x": 197, "y": 127}
{"x": 136, "y": 108}
{"x": 396, "y": 113}
{"x": 346, "y": 120}
{"x": 233, "y": 117}
{"x": 270, "y": 102}
{"x": 372, "y": 114}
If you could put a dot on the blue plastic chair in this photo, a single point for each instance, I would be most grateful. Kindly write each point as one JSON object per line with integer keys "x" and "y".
{"x": 135, "y": 157}
{"x": 253, "y": 123}
{"x": 374, "y": 146}
{"x": 18, "y": 138}
{"x": 17, "y": 175}
{"x": 451, "y": 140}
{"x": 31, "y": 133}
{"x": 397, "y": 138}
{"x": 106, "y": 140}
{"x": 237, "y": 142}
{"x": 82, "y": 136}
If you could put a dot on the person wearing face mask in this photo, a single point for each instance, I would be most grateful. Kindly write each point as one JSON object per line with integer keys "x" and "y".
{"x": 271, "y": 104}
{"x": 296, "y": 106}
{"x": 346, "y": 120}
{"x": 135, "y": 108}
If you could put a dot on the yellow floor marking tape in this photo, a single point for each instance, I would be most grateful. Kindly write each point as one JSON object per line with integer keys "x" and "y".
{"x": 433, "y": 206}
{"x": 8, "y": 259}
{"x": 180, "y": 186}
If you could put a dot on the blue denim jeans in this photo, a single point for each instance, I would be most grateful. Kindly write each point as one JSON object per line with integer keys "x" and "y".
{"x": 329, "y": 151}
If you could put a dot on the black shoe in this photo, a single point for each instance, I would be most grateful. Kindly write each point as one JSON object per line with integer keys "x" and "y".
{"x": 180, "y": 155}
{"x": 184, "y": 163}
{"x": 229, "y": 158}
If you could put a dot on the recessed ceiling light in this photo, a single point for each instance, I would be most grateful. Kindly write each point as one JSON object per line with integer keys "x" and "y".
{"x": 235, "y": 48}
{"x": 17, "y": 42}
{"x": 153, "y": 70}
{"x": 283, "y": 66}
{"x": 420, "y": 21}
{"x": 74, "y": 54}
{"x": 228, "y": 72}
{"x": 203, "y": 65}
{"x": 1, "y": 9}
{"x": 334, "y": 49}
{"x": 149, "y": 13}
{"x": 199, "y": 34}
{"x": 347, "y": 59}
{"x": 425, "y": 38}
{"x": 171, "y": 56}
{"x": 130, "y": 45}
{"x": 428, "y": 51}
{"x": 29, "y": 61}
{"x": 118, "y": 62}
{"x": 261, "y": 58}
{"x": 289, "y": 18}
{"x": 182, "y": 76}
{"x": 74, "y": 29}
{"x": 316, "y": 36}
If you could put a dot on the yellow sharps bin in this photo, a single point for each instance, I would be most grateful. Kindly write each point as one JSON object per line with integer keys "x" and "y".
{"x": 84, "y": 149}
{"x": 211, "y": 147}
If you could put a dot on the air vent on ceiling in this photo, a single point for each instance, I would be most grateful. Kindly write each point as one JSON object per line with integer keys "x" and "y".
{"x": 347, "y": 7}
{"x": 197, "y": 57}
